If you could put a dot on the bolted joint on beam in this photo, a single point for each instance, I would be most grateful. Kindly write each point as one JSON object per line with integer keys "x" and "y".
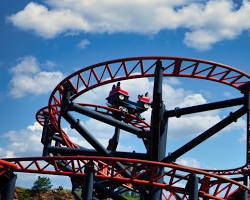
{"x": 245, "y": 89}
{"x": 76, "y": 124}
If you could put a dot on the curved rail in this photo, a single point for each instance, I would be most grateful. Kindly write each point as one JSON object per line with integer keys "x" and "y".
{"x": 140, "y": 67}
{"x": 141, "y": 124}
{"x": 221, "y": 188}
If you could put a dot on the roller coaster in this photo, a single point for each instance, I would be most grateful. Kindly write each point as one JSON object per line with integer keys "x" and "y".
{"x": 103, "y": 172}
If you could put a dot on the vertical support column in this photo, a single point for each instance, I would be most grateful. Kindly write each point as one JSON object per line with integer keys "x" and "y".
{"x": 246, "y": 176}
{"x": 88, "y": 181}
{"x": 157, "y": 143}
{"x": 9, "y": 188}
{"x": 245, "y": 195}
{"x": 157, "y": 147}
{"x": 247, "y": 95}
{"x": 46, "y": 135}
{"x": 192, "y": 187}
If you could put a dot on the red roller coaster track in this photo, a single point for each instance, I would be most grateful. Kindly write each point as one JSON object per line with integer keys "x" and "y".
{"x": 211, "y": 184}
{"x": 222, "y": 188}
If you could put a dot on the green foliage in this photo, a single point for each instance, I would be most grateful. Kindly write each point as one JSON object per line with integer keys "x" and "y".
{"x": 59, "y": 189}
{"x": 131, "y": 198}
{"x": 131, "y": 195}
{"x": 24, "y": 194}
{"x": 42, "y": 184}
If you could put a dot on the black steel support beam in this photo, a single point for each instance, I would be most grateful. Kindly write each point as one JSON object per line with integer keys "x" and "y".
{"x": 58, "y": 139}
{"x": 247, "y": 95}
{"x": 202, "y": 137}
{"x": 177, "y": 112}
{"x": 113, "y": 142}
{"x": 46, "y": 135}
{"x": 121, "y": 190}
{"x": 97, "y": 145}
{"x": 156, "y": 116}
{"x": 91, "y": 152}
{"x": 245, "y": 195}
{"x": 7, "y": 183}
{"x": 101, "y": 187}
{"x": 88, "y": 181}
{"x": 66, "y": 104}
{"x": 108, "y": 192}
{"x": 85, "y": 133}
{"x": 192, "y": 187}
{"x": 245, "y": 179}
{"x": 111, "y": 121}
{"x": 158, "y": 130}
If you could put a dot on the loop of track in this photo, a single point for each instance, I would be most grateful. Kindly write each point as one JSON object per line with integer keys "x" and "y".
{"x": 130, "y": 68}
{"x": 139, "y": 67}
{"x": 211, "y": 183}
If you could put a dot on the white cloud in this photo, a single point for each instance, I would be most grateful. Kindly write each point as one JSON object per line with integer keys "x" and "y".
{"x": 29, "y": 79}
{"x": 206, "y": 22}
{"x": 243, "y": 138}
{"x": 47, "y": 23}
{"x": 192, "y": 100}
{"x": 35, "y": 127}
{"x": 27, "y": 65}
{"x": 190, "y": 162}
{"x": 172, "y": 81}
{"x": 49, "y": 64}
{"x": 24, "y": 142}
{"x": 190, "y": 126}
{"x": 83, "y": 44}
{"x": 228, "y": 94}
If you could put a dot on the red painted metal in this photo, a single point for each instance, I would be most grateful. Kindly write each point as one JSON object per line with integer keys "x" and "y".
{"x": 248, "y": 140}
{"x": 144, "y": 99}
{"x": 94, "y": 76}
{"x": 130, "y": 118}
{"x": 133, "y": 120}
{"x": 119, "y": 90}
{"x": 221, "y": 188}
{"x": 140, "y": 67}
{"x": 130, "y": 68}
{"x": 7, "y": 165}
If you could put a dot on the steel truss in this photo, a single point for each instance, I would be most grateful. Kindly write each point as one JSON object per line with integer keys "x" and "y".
{"x": 105, "y": 168}
{"x": 99, "y": 173}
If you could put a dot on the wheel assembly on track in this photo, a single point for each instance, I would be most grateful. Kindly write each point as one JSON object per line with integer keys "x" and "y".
{"x": 103, "y": 172}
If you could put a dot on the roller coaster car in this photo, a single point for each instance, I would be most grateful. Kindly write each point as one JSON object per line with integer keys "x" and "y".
{"x": 119, "y": 99}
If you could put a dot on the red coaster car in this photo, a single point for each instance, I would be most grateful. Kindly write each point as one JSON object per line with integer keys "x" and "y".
{"x": 119, "y": 98}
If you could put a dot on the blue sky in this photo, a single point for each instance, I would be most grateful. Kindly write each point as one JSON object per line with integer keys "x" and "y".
{"x": 44, "y": 41}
